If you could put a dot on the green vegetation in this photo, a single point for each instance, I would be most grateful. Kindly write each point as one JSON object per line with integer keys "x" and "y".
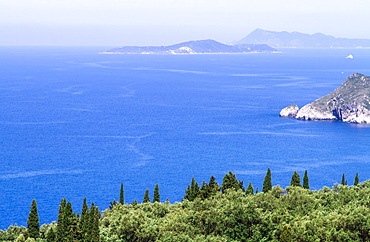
{"x": 146, "y": 197}
{"x": 267, "y": 183}
{"x": 344, "y": 181}
{"x": 193, "y": 190}
{"x": 216, "y": 213}
{"x": 83, "y": 225}
{"x": 156, "y": 197}
{"x": 296, "y": 180}
{"x": 305, "y": 180}
{"x": 250, "y": 189}
{"x": 33, "y": 224}
{"x": 230, "y": 182}
{"x": 121, "y": 195}
{"x": 356, "y": 180}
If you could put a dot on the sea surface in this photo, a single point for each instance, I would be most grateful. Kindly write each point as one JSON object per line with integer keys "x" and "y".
{"x": 75, "y": 124}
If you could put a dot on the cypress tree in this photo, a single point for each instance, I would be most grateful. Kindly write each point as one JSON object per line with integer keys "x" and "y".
{"x": 256, "y": 190}
{"x": 50, "y": 236}
{"x": 121, "y": 195}
{"x": 73, "y": 231}
{"x": 84, "y": 211}
{"x": 305, "y": 180}
{"x": 68, "y": 222}
{"x": 344, "y": 182}
{"x": 356, "y": 180}
{"x": 267, "y": 184}
{"x": 156, "y": 197}
{"x": 146, "y": 197}
{"x": 213, "y": 186}
{"x": 33, "y": 224}
{"x": 210, "y": 189}
{"x": 230, "y": 181}
{"x": 188, "y": 194}
{"x": 250, "y": 189}
{"x": 94, "y": 223}
{"x": 67, "y": 227}
{"x": 296, "y": 180}
{"x": 84, "y": 221}
{"x": 61, "y": 225}
{"x": 204, "y": 190}
{"x": 193, "y": 190}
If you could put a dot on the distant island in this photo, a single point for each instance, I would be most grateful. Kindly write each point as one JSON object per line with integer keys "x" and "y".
{"x": 348, "y": 103}
{"x": 193, "y": 47}
{"x": 300, "y": 40}
{"x": 258, "y": 41}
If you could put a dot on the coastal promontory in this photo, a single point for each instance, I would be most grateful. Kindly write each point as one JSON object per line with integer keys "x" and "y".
{"x": 350, "y": 103}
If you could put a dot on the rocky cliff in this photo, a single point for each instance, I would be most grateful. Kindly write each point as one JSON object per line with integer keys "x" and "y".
{"x": 349, "y": 103}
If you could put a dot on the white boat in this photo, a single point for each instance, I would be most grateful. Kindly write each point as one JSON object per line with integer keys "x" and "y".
{"x": 350, "y": 56}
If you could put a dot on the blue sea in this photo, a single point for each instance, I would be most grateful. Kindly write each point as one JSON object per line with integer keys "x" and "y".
{"x": 75, "y": 124}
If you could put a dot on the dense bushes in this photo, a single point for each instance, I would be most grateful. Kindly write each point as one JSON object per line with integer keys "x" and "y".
{"x": 293, "y": 214}
{"x": 338, "y": 214}
{"x": 231, "y": 216}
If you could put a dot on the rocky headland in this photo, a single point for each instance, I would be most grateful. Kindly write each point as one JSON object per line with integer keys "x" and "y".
{"x": 348, "y": 103}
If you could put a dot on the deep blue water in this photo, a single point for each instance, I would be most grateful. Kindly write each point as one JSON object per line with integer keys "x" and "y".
{"x": 74, "y": 123}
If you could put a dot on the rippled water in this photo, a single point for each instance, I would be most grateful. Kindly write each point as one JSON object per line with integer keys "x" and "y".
{"x": 76, "y": 124}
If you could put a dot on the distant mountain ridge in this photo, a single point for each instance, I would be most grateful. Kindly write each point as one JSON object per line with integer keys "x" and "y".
{"x": 192, "y": 47}
{"x": 300, "y": 40}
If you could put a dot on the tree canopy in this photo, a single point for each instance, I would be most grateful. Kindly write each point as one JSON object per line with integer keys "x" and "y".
{"x": 340, "y": 213}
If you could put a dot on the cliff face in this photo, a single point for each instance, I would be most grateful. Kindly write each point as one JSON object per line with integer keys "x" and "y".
{"x": 349, "y": 103}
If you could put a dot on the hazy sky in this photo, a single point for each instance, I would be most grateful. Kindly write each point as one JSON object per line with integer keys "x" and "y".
{"x": 163, "y": 22}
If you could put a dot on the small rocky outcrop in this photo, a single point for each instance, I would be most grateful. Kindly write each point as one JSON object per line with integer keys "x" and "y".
{"x": 348, "y": 103}
{"x": 289, "y": 112}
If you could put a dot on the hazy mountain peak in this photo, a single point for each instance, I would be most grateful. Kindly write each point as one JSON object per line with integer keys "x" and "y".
{"x": 295, "y": 39}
